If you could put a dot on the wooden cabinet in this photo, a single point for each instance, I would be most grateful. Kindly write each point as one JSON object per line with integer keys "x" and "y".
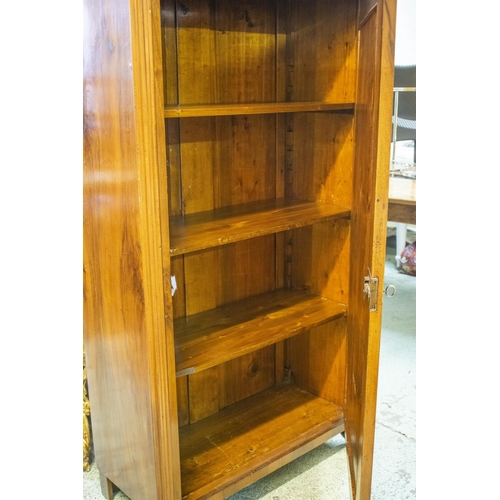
{"x": 235, "y": 199}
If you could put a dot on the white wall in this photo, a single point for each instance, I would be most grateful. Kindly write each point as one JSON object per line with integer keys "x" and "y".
{"x": 406, "y": 51}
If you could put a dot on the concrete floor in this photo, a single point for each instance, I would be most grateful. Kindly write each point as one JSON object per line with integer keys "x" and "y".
{"x": 322, "y": 473}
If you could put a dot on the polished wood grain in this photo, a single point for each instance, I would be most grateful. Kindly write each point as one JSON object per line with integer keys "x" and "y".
{"x": 322, "y": 50}
{"x": 369, "y": 222}
{"x": 151, "y": 160}
{"x": 226, "y": 160}
{"x": 317, "y": 360}
{"x": 219, "y": 386}
{"x": 111, "y": 245}
{"x": 128, "y": 353}
{"x": 186, "y": 111}
{"x": 402, "y": 200}
{"x": 319, "y": 258}
{"x": 238, "y": 222}
{"x": 235, "y": 51}
{"x": 322, "y": 169}
{"x": 211, "y": 338}
{"x": 251, "y": 434}
{"x": 319, "y": 163}
{"x": 319, "y": 167}
{"x": 256, "y": 369}
{"x": 232, "y": 149}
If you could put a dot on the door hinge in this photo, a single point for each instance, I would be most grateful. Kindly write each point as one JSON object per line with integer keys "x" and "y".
{"x": 371, "y": 290}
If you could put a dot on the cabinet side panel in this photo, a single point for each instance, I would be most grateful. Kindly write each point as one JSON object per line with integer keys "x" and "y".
{"x": 316, "y": 361}
{"x": 320, "y": 153}
{"x": 319, "y": 258}
{"x": 321, "y": 170}
{"x": 320, "y": 263}
{"x": 322, "y": 157}
{"x": 117, "y": 296}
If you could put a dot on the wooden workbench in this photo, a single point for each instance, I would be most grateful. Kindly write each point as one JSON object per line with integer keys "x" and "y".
{"x": 402, "y": 200}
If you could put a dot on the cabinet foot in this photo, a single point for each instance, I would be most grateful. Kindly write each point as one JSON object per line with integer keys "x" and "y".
{"x": 106, "y": 487}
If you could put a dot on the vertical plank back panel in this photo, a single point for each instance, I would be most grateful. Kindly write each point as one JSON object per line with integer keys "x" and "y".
{"x": 240, "y": 37}
{"x": 245, "y": 169}
{"x": 322, "y": 51}
{"x": 245, "y": 41}
{"x": 255, "y": 373}
{"x": 219, "y": 165}
{"x": 196, "y": 75}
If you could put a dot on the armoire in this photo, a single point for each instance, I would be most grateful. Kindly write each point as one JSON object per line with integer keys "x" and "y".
{"x": 236, "y": 165}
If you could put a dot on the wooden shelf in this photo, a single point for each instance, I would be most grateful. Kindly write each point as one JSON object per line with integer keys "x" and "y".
{"x": 275, "y": 425}
{"x": 213, "y": 337}
{"x": 201, "y": 230}
{"x": 198, "y": 110}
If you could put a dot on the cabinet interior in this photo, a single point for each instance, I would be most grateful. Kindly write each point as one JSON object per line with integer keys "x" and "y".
{"x": 259, "y": 106}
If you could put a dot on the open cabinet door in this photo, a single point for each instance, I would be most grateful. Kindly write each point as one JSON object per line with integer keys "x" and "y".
{"x": 376, "y": 32}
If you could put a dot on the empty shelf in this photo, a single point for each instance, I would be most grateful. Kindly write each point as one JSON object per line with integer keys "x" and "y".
{"x": 219, "y": 335}
{"x": 280, "y": 423}
{"x": 201, "y": 230}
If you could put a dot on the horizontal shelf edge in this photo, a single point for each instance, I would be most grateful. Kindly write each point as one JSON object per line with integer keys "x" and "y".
{"x": 194, "y": 110}
{"x": 202, "y": 230}
{"x": 213, "y": 337}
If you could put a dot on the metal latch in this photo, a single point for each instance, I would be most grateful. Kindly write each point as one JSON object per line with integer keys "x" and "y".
{"x": 370, "y": 289}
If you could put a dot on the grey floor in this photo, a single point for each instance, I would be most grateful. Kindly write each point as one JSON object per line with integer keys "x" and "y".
{"x": 322, "y": 473}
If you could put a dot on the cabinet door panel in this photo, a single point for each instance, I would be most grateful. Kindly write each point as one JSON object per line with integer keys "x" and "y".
{"x": 369, "y": 215}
